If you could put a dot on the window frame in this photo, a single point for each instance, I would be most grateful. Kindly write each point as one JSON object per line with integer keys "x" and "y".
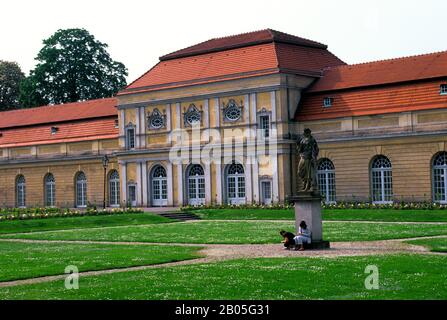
{"x": 328, "y": 175}
{"x": 328, "y": 102}
{"x": 443, "y": 89}
{"x": 381, "y": 172}
{"x": 130, "y": 127}
{"x": 52, "y": 185}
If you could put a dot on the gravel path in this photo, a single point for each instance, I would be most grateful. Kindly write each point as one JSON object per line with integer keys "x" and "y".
{"x": 220, "y": 252}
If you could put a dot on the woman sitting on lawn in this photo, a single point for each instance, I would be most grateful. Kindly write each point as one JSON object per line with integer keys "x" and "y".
{"x": 303, "y": 236}
{"x": 288, "y": 239}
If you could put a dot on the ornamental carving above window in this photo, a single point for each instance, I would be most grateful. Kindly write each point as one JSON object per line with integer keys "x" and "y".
{"x": 232, "y": 112}
{"x": 192, "y": 116}
{"x": 156, "y": 120}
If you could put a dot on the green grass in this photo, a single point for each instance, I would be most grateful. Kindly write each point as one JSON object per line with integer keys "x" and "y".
{"x": 29, "y": 260}
{"x": 33, "y": 225}
{"x": 388, "y": 215}
{"x": 435, "y": 245}
{"x": 400, "y": 277}
{"x": 238, "y": 232}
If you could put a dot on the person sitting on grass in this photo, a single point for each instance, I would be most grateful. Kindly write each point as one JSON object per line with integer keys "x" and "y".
{"x": 302, "y": 237}
{"x": 288, "y": 239}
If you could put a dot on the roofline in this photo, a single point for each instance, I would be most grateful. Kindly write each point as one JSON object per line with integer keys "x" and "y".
{"x": 241, "y": 75}
{"x": 57, "y": 122}
{"x": 372, "y": 86}
{"x": 173, "y": 55}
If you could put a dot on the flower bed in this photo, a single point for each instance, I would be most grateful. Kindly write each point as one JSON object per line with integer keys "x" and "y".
{"x": 43, "y": 213}
{"x": 338, "y": 205}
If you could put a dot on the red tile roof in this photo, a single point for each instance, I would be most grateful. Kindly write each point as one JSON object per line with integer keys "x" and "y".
{"x": 59, "y": 113}
{"x": 410, "y": 96}
{"x": 427, "y": 66}
{"x": 236, "y": 57}
{"x": 92, "y": 129}
{"x": 242, "y": 40}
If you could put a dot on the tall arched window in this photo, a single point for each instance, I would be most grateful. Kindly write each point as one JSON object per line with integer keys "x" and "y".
{"x": 114, "y": 188}
{"x": 196, "y": 185}
{"x": 50, "y": 190}
{"x": 326, "y": 180}
{"x": 21, "y": 191}
{"x": 236, "y": 184}
{"x": 381, "y": 180}
{"x": 81, "y": 190}
{"x": 159, "y": 186}
{"x": 440, "y": 178}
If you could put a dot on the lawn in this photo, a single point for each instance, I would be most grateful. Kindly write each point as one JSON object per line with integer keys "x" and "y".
{"x": 33, "y": 225}
{"x": 435, "y": 245}
{"x": 400, "y": 277}
{"x": 238, "y": 232}
{"x": 388, "y": 215}
{"x": 29, "y": 260}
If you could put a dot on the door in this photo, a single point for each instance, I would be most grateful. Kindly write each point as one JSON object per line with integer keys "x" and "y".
{"x": 196, "y": 185}
{"x": 159, "y": 187}
{"x": 133, "y": 195}
{"x": 236, "y": 184}
{"x": 266, "y": 191}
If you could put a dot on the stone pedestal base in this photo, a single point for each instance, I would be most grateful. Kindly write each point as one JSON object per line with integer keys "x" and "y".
{"x": 308, "y": 209}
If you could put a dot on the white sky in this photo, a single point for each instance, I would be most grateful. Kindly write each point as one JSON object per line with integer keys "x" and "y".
{"x": 138, "y": 31}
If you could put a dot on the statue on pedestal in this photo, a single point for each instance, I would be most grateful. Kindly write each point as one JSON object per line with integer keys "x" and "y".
{"x": 307, "y": 166}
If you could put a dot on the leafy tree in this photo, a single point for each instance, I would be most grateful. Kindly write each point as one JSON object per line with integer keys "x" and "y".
{"x": 10, "y": 78}
{"x": 72, "y": 66}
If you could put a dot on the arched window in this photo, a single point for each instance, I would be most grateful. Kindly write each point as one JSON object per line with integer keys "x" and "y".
{"x": 236, "y": 184}
{"x": 439, "y": 173}
{"x": 159, "y": 186}
{"x": 21, "y": 191}
{"x": 196, "y": 185}
{"x": 114, "y": 188}
{"x": 81, "y": 190}
{"x": 50, "y": 190}
{"x": 326, "y": 180}
{"x": 381, "y": 180}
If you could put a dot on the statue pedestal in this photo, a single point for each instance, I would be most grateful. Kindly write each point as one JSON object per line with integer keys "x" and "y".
{"x": 308, "y": 209}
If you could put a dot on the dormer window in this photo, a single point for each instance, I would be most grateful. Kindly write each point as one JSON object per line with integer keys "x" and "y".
{"x": 443, "y": 89}
{"x": 327, "y": 102}
{"x": 54, "y": 130}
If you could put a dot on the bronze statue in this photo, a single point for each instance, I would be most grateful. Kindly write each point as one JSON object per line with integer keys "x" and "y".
{"x": 307, "y": 167}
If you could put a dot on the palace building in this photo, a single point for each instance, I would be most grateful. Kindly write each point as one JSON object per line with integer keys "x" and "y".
{"x": 217, "y": 123}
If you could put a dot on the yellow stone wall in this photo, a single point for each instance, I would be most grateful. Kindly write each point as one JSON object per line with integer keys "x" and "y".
{"x": 64, "y": 174}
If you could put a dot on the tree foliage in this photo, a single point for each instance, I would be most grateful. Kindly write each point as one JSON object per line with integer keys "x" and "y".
{"x": 10, "y": 78}
{"x": 72, "y": 66}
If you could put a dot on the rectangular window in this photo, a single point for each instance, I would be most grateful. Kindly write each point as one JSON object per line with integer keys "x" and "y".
{"x": 265, "y": 126}
{"x": 130, "y": 138}
{"x": 327, "y": 102}
{"x": 443, "y": 89}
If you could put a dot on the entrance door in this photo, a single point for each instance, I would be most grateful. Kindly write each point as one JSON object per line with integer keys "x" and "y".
{"x": 159, "y": 187}
{"x": 266, "y": 191}
{"x": 236, "y": 184}
{"x": 196, "y": 185}
{"x": 132, "y": 195}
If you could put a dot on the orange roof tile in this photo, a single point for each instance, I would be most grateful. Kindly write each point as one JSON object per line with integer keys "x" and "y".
{"x": 92, "y": 129}
{"x": 397, "y": 70}
{"x": 403, "y": 97}
{"x": 59, "y": 113}
{"x": 241, "y": 57}
{"x": 242, "y": 40}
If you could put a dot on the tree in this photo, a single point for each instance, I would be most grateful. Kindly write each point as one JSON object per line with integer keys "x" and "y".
{"x": 72, "y": 66}
{"x": 10, "y": 78}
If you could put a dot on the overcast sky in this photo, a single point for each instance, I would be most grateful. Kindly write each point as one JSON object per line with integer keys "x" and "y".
{"x": 138, "y": 31}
